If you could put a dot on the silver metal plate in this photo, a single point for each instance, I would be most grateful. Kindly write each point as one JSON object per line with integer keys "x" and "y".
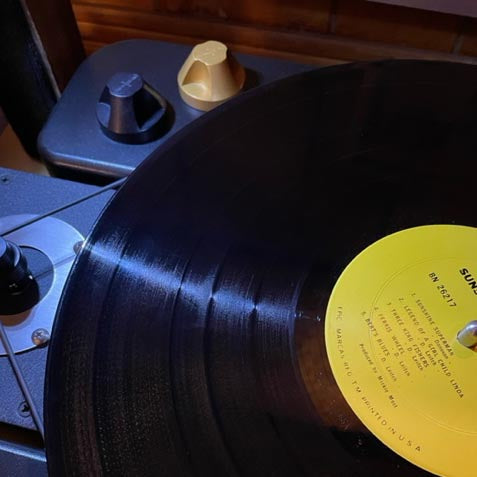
{"x": 57, "y": 240}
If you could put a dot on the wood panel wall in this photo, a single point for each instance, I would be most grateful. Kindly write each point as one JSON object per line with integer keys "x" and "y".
{"x": 317, "y": 31}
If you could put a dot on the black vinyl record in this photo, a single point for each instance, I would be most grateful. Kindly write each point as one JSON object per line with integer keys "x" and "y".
{"x": 189, "y": 340}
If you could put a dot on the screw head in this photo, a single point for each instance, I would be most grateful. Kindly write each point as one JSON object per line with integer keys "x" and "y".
{"x": 23, "y": 409}
{"x": 40, "y": 336}
{"x": 78, "y": 246}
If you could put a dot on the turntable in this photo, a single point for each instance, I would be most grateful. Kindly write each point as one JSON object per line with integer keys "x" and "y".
{"x": 285, "y": 287}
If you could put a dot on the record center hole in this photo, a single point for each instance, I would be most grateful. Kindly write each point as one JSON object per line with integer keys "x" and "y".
{"x": 42, "y": 271}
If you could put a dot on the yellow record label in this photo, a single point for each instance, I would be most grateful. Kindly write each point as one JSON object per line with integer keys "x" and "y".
{"x": 391, "y": 337}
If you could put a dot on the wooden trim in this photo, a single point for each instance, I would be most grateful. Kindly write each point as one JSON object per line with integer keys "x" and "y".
{"x": 389, "y": 24}
{"x": 3, "y": 121}
{"x": 107, "y": 25}
{"x": 92, "y": 46}
{"x": 466, "y": 8}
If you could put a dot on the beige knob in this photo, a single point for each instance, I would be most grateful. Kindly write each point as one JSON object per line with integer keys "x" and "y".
{"x": 210, "y": 76}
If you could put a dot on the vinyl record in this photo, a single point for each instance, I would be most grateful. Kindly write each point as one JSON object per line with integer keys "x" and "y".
{"x": 193, "y": 337}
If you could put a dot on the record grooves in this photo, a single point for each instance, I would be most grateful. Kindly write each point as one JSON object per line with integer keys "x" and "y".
{"x": 191, "y": 335}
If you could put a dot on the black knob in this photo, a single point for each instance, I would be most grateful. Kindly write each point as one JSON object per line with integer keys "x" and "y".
{"x": 130, "y": 110}
{"x": 14, "y": 273}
